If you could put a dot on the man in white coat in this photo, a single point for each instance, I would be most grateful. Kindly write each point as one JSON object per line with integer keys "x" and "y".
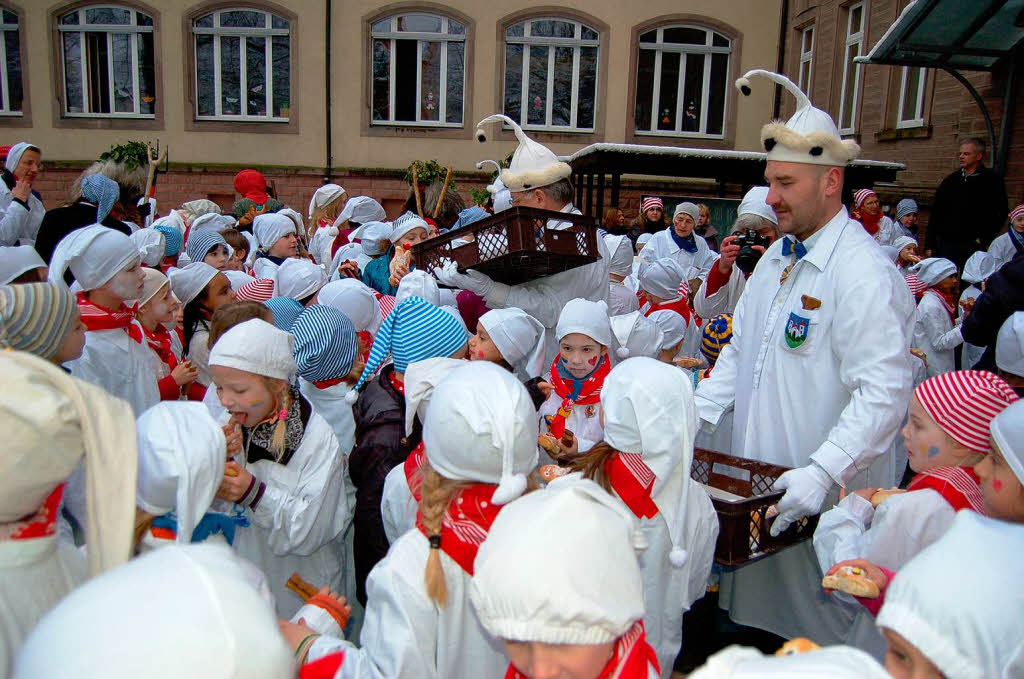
{"x": 817, "y": 368}
{"x": 536, "y": 178}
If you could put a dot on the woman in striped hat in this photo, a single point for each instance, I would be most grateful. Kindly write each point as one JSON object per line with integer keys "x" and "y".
{"x": 41, "y": 319}
{"x": 868, "y": 211}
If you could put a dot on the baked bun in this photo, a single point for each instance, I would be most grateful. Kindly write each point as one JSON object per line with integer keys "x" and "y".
{"x": 882, "y": 495}
{"x": 852, "y": 580}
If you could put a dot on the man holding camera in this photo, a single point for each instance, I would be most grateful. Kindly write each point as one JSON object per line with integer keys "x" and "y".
{"x": 756, "y": 228}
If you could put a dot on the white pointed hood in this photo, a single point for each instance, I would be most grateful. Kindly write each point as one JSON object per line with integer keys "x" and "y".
{"x": 533, "y": 165}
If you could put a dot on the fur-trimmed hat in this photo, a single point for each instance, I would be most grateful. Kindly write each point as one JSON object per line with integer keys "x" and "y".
{"x": 533, "y": 165}
{"x": 810, "y": 136}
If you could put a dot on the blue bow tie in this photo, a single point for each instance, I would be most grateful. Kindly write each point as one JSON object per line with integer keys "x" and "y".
{"x": 791, "y": 246}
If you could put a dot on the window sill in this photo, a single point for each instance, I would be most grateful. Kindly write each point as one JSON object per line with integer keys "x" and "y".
{"x": 421, "y": 131}
{"x": 87, "y": 122}
{"x": 678, "y": 135}
{"x": 244, "y": 126}
{"x": 897, "y": 134}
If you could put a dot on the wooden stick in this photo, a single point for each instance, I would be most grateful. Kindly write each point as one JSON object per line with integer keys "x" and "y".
{"x": 444, "y": 190}
{"x": 152, "y": 169}
{"x": 303, "y": 589}
{"x": 416, "y": 187}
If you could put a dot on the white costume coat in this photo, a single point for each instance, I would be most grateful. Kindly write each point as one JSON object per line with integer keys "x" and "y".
{"x": 1002, "y": 249}
{"x": 114, "y": 361}
{"x": 971, "y": 353}
{"x": 935, "y": 335}
{"x": 398, "y": 507}
{"x": 621, "y": 300}
{"x": 16, "y": 223}
{"x": 587, "y": 430}
{"x": 723, "y": 300}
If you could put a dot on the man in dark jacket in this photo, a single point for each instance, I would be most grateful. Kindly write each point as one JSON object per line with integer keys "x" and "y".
{"x": 970, "y": 207}
{"x": 1004, "y": 294}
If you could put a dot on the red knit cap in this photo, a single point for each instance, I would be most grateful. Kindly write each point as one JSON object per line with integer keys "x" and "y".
{"x": 252, "y": 185}
{"x": 650, "y": 202}
{"x": 963, "y": 403}
{"x": 862, "y": 195}
{"x": 259, "y": 290}
{"x": 1014, "y": 213}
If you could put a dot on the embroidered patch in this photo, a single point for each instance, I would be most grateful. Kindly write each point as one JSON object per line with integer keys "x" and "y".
{"x": 590, "y": 411}
{"x": 797, "y": 328}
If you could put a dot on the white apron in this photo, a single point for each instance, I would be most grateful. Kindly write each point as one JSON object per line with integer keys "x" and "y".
{"x": 126, "y": 369}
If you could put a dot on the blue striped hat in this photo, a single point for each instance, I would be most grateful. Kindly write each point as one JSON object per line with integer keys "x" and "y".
{"x": 285, "y": 310}
{"x": 172, "y": 239}
{"x": 414, "y": 331}
{"x": 36, "y": 317}
{"x": 325, "y": 343}
{"x": 717, "y": 333}
{"x": 201, "y": 242}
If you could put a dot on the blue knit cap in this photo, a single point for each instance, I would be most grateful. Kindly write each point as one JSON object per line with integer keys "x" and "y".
{"x": 285, "y": 310}
{"x": 717, "y": 333}
{"x": 414, "y": 331}
{"x": 325, "y": 343}
{"x": 905, "y": 207}
{"x": 201, "y": 242}
{"x": 469, "y": 216}
{"x": 172, "y": 240}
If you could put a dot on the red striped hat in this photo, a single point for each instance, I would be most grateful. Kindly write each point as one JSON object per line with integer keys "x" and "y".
{"x": 649, "y": 202}
{"x": 259, "y": 290}
{"x": 917, "y": 288}
{"x": 862, "y": 195}
{"x": 963, "y": 403}
{"x": 1016, "y": 212}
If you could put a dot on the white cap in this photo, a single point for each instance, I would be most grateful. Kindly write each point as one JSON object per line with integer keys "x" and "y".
{"x": 1007, "y": 429}
{"x": 322, "y": 196}
{"x": 601, "y": 596}
{"x": 298, "y": 278}
{"x": 212, "y": 221}
{"x": 237, "y": 278}
{"x": 418, "y": 283}
{"x": 672, "y": 325}
{"x": 257, "y": 347}
{"x": 150, "y": 243}
{"x": 172, "y": 219}
{"x": 753, "y": 203}
{"x": 14, "y": 261}
{"x": 833, "y": 662}
{"x": 533, "y": 165}
{"x": 94, "y": 254}
{"x": 621, "y": 250}
{"x": 979, "y": 266}
{"x": 642, "y": 240}
{"x": 153, "y": 283}
{"x": 361, "y": 209}
{"x": 188, "y": 281}
{"x": 420, "y": 380}
{"x": 933, "y": 270}
{"x": 637, "y": 335}
{"x": 586, "y": 318}
{"x": 354, "y": 299}
{"x": 180, "y": 611}
{"x": 406, "y": 223}
{"x": 181, "y": 462}
{"x": 518, "y": 336}
{"x": 1010, "y": 345}
{"x": 662, "y": 278}
{"x": 903, "y": 241}
{"x": 501, "y": 197}
{"x": 270, "y": 227}
{"x": 481, "y": 426}
{"x": 371, "y": 236}
{"x": 810, "y": 136}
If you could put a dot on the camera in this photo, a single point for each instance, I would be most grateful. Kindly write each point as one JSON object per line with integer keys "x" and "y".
{"x": 748, "y": 257}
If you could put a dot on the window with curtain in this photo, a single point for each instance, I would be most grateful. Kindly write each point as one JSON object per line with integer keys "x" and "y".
{"x": 242, "y": 66}
{"x": 550, "y": 78}
{"x": 853, "y": 48}
{"x": 108, "y": 62}
{"x": 682, "y": 82}
{"x": 418, "y": 70}
{"x": 10, "y": 65}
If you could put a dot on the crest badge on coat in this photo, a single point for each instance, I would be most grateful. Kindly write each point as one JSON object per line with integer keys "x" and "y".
{"x": 797, "y": 328}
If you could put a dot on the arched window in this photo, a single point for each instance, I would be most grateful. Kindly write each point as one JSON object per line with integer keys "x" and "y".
{"x": 551, "y": 74}
{"x": 10, "y": 65}
{"x": 242, "y": 66}
{"x": 682, "y": 82}
{"x": 418, "y": 73}
{"x": 107, "y": 58}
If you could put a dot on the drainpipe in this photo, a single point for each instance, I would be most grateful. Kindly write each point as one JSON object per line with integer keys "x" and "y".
{"x": 1009, "y": 109}
{"x": 328, "y": 94}
{"x": 781, "y": 61}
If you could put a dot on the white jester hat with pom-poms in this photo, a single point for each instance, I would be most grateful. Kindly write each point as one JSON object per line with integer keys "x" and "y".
{"x": 533, "y": 165}
{"x": 810, "y": 136}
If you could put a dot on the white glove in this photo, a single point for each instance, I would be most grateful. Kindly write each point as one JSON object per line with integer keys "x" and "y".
{"x": 806, "y": 488}
{"x": 474, "y": 281}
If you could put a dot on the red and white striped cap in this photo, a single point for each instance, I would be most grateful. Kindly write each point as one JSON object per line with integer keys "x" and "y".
{"x": 649, "y": 202}
{"x": 862, "y": 195}
{"x": 963, "y": 403}
{"x": 259, "y": 290}
{"x": 917, "y": 288}
{"x": 1016, "y": 212}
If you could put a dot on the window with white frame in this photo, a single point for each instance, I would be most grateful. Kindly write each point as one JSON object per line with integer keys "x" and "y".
{"x": 108, "y": 62}
{"x": 551, "y": 74}
{"x": 682, "y": 81}
{"x": 912, "y": 86}
{"x": 806, "y": 60}
{"x": 242, "y": 66}
{"x": 853, "y": 48}
{"x": 10, "y": 65}
{"x": 418, "y": 73}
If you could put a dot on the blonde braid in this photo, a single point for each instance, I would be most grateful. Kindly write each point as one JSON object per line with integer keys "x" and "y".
{"x": 277, "y": 443}
{"x": 437, "y": 492}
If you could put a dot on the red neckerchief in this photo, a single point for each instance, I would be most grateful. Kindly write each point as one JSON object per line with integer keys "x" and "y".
{"x": 323, "y": 668}
{"x": 680, "y": 306}
{"x": 398, "y": 384}
{"x": 633, "y": 658}
{"x": 367, "y": 340}
{"x": 160, "y": 342}
{"x": 326, "y": 384}
{"x": 96, "y": 317}
{"x": 869, "y": 222}
{"x": 589, "y": 394}
{"x": 465, "y": 523}
{"x": 947, "y": 301}
{"x": 414, "y": 471}
{"x": 40, "y": 525}
{"x": 959, "y": 486}
{"x": 632, "y": 480}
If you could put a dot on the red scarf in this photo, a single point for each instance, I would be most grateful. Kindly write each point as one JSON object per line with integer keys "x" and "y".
{"x": 947, "y": 300}
{"x": 869, "y": 222}
{"x": 40, "y": 525}
{"x": 96, "y": 317}
{"x": 633, "y": 658}
{"x": 463, "y": 533}
{"x": 959, "y": 486}
{"x": 680, "y": 306}
{"x": 414, "y": 471}
{"x": 367, "y": 340}
{"x": 326, "y": 384}
{"x": 323, "y": 668}
{"x": 632, "y": 480}
{"x": 160, "y": 342}
{"x": 589, "y": 394}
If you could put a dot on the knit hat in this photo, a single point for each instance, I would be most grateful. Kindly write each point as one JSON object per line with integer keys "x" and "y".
{"x": 102, "y": 190}
{"x": 518, "y": 336}
{"x": 36, "y": 317}
{"x": 1007, "y": 429}
{"x": 406, "y": 223}
{"x": 979, "y": 266}
{"x": 152, "y": 283}
{"x": 754, "y": 203}
{"x": 189, "y": 281}
{"x": 1010, "y": 345}
{"x": 257, "y": 347}
{"x": 361, "y": 209}
{"x": 601, "y": 600}
{"x": 649, "y": 202}
{"x": 1016, "y": 212}
{"x": 94, "y": 254}
{"x": 662, "y": 278}
{"x": 151, "y": 245}
{"x": 237, "y": 279}
{"x": 963, "y": 403}
{"x": 533, "y": 165}
{"x": 200, "y": 243}
{"x": 905, "y": 207}
{"x": 470, "y": 215}
{"x": 481, "y": 426}
{"x": 270, "y": 227}
{"x": 419, "y": 283}
{"x": 414, "y": 330}
{"x": 810, "y": 136}
{"x": 586, "y": 318}
{"x": 322, "y": 196}
{"x": 17, "y": 260}
{"x": 717, "y": 333}
{"x": 933, "y": 270}
{"x": 172, "y": 239}
{"x": 252, "y": 185}
{"x": 299, "y": 278}
{"x": 621, "y": 250}
{"x": 636, "y": 335}
{"x": 285, "y": 309}
{"x": 687, "y": 208}
{"x": 325, "y": 343}
{"x": 421, "y": 378}
{"x": 15, "y": 153}
{"x": 649, "y": 409}
{"x": 354, "y": 299}
{"x": 967, "y": 630}
{"x": 861, "y": 195}
{"x": 181, "y": 462}
{"x": 259, "y": 290}
{"x": 673, "y": 327}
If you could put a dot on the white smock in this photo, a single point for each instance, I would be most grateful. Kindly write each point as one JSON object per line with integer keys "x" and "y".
{"x": 621, "y": 300}
{"x": 114, "y": 361}
{"x": 935, "y": 334}
{"x": 695, "y": 264}
{"x": 398, "y": 507}
{"x": 199, "y": 354}
{"x": 970, "y": 354}
{"x": 723, "y": 300}
{"x": 888, "y": 231}
{"x": 1002, "y": 249}
{"x": 18, "y": 225}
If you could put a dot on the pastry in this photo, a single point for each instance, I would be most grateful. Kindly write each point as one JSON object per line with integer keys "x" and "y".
{"x": 402, "y": 257}
{"x": 550, "y": 472}
{"x": 852, "y": 580}
{"x": 797, "y": 646}
{"x": 882, "y": 495}
{"x": 549, "y": 443}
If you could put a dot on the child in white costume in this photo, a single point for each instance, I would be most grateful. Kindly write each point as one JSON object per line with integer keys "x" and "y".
{"x": 621, "y": 298}
{"x": 936, "y": 329}
{"x": 978, "y": 268}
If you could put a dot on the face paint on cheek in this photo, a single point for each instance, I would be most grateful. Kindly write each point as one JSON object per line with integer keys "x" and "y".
{"x": 932, "y": 451}
{"x": 257, "y": 403}
{"x": 997, "y": 485}
{"x": 565, "y": 360}
{"x": 593, "y": 361}
{"x": 480, "y": 354}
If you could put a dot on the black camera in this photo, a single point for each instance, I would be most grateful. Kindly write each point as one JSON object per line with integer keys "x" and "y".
{"x": 748, "y": 257}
